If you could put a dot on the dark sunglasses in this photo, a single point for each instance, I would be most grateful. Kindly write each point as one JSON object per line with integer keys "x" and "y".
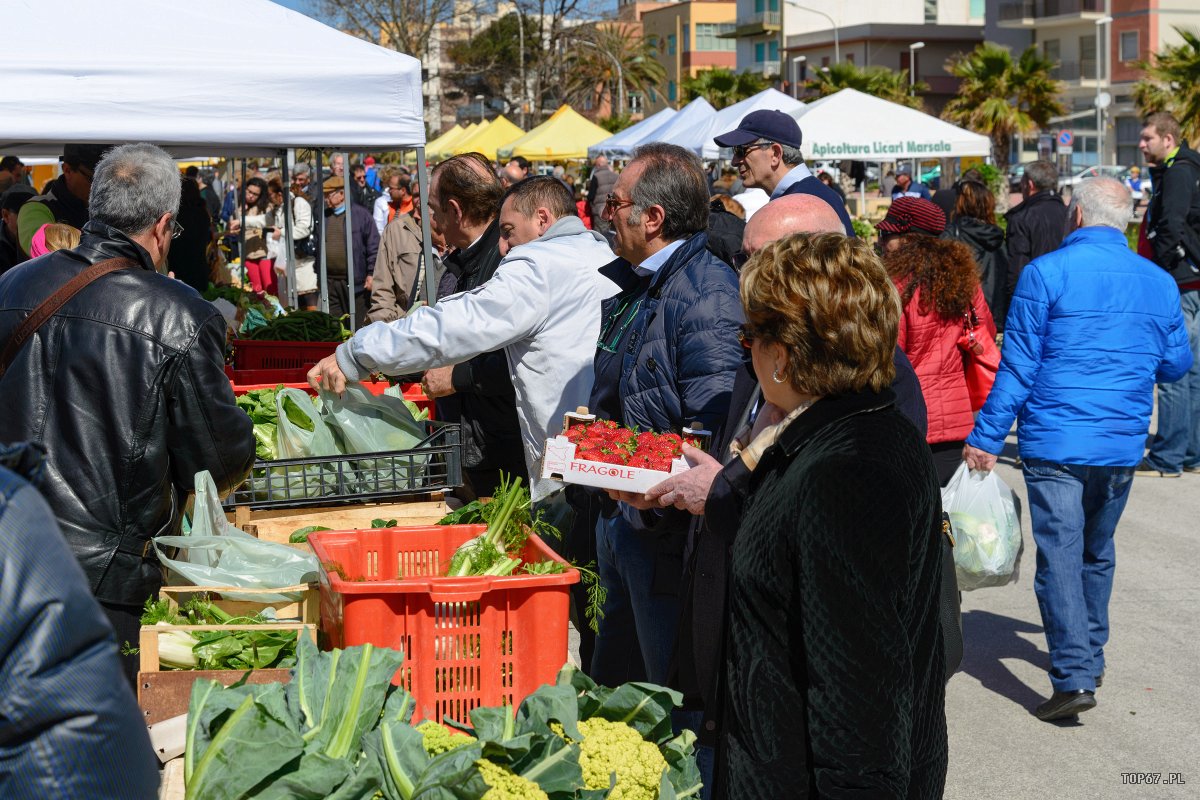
{"x": 740, "y": 151}
{"x": 746, "y": 336}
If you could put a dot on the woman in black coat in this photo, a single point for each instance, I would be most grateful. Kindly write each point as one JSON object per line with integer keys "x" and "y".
{"x": 974, "y": 224}
{"x": 835, "y": 672}
{"x": 188, "y": 256}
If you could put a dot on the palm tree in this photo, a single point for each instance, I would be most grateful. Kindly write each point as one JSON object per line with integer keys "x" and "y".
{"x": 592, "y": 74}
{"x": 878, "y": 81}
{"x": 723, "y": 87}
{"x": 1000, "y": 98}
{"x": 1172, "y": 83}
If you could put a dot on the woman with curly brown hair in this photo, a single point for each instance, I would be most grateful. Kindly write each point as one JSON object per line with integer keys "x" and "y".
{"x": 939, "y": 286}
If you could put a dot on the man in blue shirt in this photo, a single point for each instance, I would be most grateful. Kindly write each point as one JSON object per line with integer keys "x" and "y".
{"x": 766, "y": 154}
{"x": 905, "y": 187}
{"x": 1091, "y": 327}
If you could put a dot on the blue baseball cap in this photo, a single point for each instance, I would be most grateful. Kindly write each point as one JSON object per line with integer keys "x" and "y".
{"x": 774, "y": 126}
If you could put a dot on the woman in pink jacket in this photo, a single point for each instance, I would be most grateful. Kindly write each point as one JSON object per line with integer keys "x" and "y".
{"x": 938, "y": 282}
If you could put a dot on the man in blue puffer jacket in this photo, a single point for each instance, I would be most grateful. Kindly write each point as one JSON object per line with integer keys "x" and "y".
{"x": 667, "y": 356}
{"x": 1091, "y": 327}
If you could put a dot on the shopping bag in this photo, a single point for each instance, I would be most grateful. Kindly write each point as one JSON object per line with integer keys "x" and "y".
{"x": 216, "y": 553}
{"x": 987, "y": 530}
{"x": 365, "y": 423}
{"x": 981, "y": 359}
{"x": 302, "y": 433}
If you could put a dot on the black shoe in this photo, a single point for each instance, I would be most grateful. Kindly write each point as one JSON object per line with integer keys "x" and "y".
{"x": 1066, "y": 704}
{"x": 1193, "y": 468}
{"x": 1100, "y": 679}
{"x": 1148, "y": 470}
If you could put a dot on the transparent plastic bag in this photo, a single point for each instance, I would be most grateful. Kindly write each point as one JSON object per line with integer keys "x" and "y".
{"x": 216, "y": 553}
{"x": 302, "y": 433}
{"x": 987, "y": 528}
{"x": 367, "y": 423}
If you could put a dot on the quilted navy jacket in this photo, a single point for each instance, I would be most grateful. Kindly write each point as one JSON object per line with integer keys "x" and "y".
{"x": 683, "y": 352}
{"x": 1092, "y": 327}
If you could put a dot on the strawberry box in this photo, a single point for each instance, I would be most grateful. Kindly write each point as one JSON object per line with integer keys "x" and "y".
{"x": 600, "y": 453}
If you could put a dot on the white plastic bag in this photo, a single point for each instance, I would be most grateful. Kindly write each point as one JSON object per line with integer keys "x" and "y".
{"x": 987, "y": 530}
{"x": 302, "y": 429}
{"x": 362, "y": 422}
{"x": 216, "y": 553}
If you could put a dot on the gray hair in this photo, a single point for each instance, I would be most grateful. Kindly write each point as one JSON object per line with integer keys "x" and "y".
{"x": 134, "y": 185}
{"x": 301, "y": 168}
{"x": 792, "y": 155}
{"x": 674, "y": 179}
{"x": 1104, "y": 201}
{"x": 1043, "y": 175}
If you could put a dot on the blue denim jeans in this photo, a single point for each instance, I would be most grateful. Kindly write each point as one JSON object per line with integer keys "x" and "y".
{"x": 1176, "y": 443}
{"x": 1074, "y": 511}
{"x": 641, "y": 612}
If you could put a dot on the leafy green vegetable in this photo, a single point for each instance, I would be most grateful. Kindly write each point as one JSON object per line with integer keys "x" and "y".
{"x": 238, "y": 649}
{"x": 302, "y": 326}
{"x": 296, "y": 416}
{"x": 300, "y": 535}
{"x": 383, "y": 523}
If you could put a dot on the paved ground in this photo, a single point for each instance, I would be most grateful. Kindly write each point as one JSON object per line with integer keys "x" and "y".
{"x": 1148, "y": 715}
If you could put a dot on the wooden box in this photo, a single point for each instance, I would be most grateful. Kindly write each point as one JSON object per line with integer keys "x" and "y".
{"x": 307, "y": 609}
{"x": 278, "y": 524}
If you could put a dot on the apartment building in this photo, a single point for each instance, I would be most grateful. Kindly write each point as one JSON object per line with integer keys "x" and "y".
{"x": 688, "y": 37}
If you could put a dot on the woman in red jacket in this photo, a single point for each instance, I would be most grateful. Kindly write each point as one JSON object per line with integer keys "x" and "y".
{"x": 939, "y": 287}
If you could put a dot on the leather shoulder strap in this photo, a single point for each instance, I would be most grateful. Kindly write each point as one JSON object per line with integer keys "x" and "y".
{"x": 50, "y": 306}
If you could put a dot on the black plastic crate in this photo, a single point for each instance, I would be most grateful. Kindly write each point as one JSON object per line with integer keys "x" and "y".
{"x": 434, "y": 465}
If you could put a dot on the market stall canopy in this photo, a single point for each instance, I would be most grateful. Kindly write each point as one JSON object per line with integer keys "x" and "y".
{"x": 127, "y": 73}
{"x": 565, "y": 135}
{"x": 730, "y": 117}
{"x": 485, "y": 141}
{"x": 621, "y": 145}
{"x": 857, "y": 126}
{"x": 445, "y": 143}
{"x": 446, "y": 138}
{"x": 697, "y": 114}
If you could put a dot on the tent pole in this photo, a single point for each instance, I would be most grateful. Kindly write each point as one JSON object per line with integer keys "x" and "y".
{"x": 241, "y": 201}
{"x": 320, "y": 213}
{"x": 289, "y": 246}
{"x": 426, "y": 236}
{"x": 351, "y": 267}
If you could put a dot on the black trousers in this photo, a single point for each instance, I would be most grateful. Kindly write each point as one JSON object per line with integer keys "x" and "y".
{"x": 946, "y": 458}
{"x": 127, "y": 623}
{"x": 339, "y": 301}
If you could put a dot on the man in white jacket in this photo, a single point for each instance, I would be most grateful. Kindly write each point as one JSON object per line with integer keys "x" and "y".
{"x": 542, "y": 306}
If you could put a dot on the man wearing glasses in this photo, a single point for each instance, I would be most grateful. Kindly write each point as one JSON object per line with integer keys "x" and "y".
{"x": 65, "y": 198}
{"x": 766, "y": 154}
{"x": 123, "y": 385}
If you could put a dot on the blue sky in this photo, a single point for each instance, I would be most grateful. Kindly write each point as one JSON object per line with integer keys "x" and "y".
{"x": 299, "y": 5}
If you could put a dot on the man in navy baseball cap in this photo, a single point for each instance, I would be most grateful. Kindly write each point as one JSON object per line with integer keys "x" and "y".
{"x": 766, "y": 154}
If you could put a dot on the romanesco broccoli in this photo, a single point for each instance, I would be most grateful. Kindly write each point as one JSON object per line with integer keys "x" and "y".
{"x": 438, "y": 739}
{"x": 614, "y": 747}
{"x": 507, "y": 786}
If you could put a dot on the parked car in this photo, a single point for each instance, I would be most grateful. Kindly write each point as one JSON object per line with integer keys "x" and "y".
{"x": 1111, "y": 171}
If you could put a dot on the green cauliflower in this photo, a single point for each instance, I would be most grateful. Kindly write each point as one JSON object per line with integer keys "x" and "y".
{"x": 505, "y": 785}
{"x": 614, "y": 747}
{"x": 439, "y": 739}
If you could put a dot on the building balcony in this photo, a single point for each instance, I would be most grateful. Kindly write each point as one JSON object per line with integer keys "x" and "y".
{"x": 1076, "y": 72}
{"x": 1043, "y": 13}
{"x": 767, "y": 67}
{"x": 757, "y": 23}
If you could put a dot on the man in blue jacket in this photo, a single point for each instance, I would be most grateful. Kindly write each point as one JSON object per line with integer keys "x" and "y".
{"x": 766, "y": 154}
{"x": 1082, "y": 419}
{"x": 667, "y": 356}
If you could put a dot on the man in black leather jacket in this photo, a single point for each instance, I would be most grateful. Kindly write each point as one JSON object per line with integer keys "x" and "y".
{"x": 124, "y": 387}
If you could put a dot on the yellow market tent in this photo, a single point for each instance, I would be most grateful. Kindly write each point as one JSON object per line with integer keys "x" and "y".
{"x": 565, "y": 135}
{"x": 441, "y": 141}
{"x": 488, "y": 137}
{"x": 444, "y": 149}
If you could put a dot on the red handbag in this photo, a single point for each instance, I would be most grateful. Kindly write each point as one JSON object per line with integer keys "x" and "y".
{"x": 981, "y": 359}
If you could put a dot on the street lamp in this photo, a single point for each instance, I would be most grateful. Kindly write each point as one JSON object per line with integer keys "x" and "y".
{"x": 1100, "y": 23}
{"x": 796, "y": 75}
{"x": 837, "y": 49}
{"x": 479, "y": 99}
{"x": 912, "y": 65}
{"x": 521, "y": 32}
{"x": 620, "y": 73}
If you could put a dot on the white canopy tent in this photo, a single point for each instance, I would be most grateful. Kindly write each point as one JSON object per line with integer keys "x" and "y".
{"x": 696, "y": 114}
{"x": 622, "y": 144}
{"x": 140, "y": 71}
{"x": 860, "y": 127}
{"x": 730, "y": 117}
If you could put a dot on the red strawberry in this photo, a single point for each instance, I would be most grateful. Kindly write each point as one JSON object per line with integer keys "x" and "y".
{"x": 660, "y": 463}
{"x": 575, "y": 433}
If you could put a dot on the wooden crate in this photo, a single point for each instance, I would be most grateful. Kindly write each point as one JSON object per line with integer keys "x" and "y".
{"x": 163, "y": 694}
{"x": 277, "y": 525}
{"x": 307, "y": 609}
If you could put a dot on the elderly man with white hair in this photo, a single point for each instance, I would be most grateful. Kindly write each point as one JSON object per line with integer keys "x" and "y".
{"x": 1091, "y": 328}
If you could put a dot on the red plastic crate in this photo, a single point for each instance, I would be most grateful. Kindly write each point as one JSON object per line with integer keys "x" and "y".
{"x": 254, "y": 354}
{"x": 468, "y": 642}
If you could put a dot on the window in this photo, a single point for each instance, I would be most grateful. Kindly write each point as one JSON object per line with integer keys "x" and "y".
{"x": 931, "y": 11}
{"x": 760, "y": 52}
{"x": 686, "y": 39}
{"x": 653, "y": 42}
{"x": 671, "y": 44}
{"x": 653, "y": 94}
{"x": 635, "y": 103}
{"x": 1129, "y": 45}
{"x": 773, "y": 50}
{"x": 978, "y": 9}
{"x": 849, "y": 58}
{"x": 824, "y": 61}
{"x": 1087, "y": 57}
{"x": 773, "y": 5}
{"x": 760, "y": 6}
{"x": 707, "y": 37}
{"x": 671, "y": 91}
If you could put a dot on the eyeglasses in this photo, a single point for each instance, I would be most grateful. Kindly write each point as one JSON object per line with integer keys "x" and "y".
{"x": 746, "y": 336}
{"x": 176, "y": 229}
{"x": 740, "y": 151}
{"x": 613, "y": 204}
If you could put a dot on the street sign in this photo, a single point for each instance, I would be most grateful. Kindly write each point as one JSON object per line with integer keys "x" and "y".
{"x": 1066, "y": 142}
{"x": 1103, "y": 100}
